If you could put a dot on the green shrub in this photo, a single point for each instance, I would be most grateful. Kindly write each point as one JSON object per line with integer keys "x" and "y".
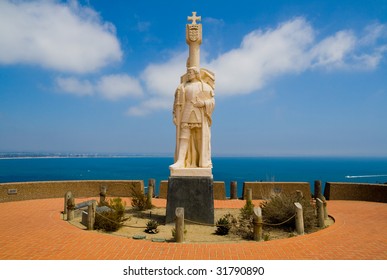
{"x": 223, "y": 226}
{"x": 140, "y": 200}
{"x": 108, "y": 221}
{"x": 117, "y": 205}
{"x": 151, "y": 227}
{"x": 247, "y": 211}
{"x": 243, "y": 226}
{"x": 246, "y": 220}
{"x": 280, "y": 208}
{"x": 113, "y": 219}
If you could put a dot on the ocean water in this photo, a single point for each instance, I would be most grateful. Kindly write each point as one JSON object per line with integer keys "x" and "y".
{"x": 227, "y": 169}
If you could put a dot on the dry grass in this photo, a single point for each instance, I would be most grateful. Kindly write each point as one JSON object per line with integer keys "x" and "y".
{"x": 137, "y": 223}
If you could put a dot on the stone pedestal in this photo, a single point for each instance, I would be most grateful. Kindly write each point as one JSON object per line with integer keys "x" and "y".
{"x": 195, "y": 195}
{"x": 191, "y": 172}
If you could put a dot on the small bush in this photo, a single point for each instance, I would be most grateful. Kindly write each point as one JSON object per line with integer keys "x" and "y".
{"x": 151, "y": 227}
{"x": 117, "y": 205}
{"x": 140, "y": 200}
{"x": 246, "y": 213}
{"x": 113, "y": 219}
{"x": 223, "y": 225}
{"x": 108, "y": 221}
{"x": 280, "y": 208}
{"x": 243, "y": 226}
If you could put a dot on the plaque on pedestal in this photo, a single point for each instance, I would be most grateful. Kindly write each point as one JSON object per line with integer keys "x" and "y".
{"x": 195, "y": 195}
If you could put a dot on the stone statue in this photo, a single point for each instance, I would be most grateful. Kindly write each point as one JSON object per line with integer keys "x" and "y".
{"x": 192, "y": 110}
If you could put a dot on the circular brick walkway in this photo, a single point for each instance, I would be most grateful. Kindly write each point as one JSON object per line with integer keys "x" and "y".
{"x": 35, "y": 230}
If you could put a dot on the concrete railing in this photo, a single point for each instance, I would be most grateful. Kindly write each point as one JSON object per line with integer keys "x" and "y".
{"x": 264, "y": 190}
{"x": 53, "y": 189}
{"x": 356, "y": 191}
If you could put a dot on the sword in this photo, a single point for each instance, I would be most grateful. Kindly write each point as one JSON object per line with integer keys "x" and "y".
{"x": 177, "y": 116}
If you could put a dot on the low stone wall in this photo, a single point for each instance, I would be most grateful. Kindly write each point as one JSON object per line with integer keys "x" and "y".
{"x": 356, "y": 191}
{"x": 263, "y": 190}
{"x": 163, "y": 189}
{"x": 219, "y": 190}
{"x": 52, "y": 189}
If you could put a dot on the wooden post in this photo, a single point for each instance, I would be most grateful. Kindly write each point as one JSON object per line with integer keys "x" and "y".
{"x": 70, "y": 208}
{"x": 66, "y": 198}
{"x": 234, "y": 190}
{"x": 249, "y": 195}
{"x": 257, "y": 222}
{"x": 91, "y": 215}
{"x": 317, "y": 189}
{"x": 102, "y": 195}
{"x": 179, "y": 227}
{"x": 325, "y": 208}
{"x": 299, "y": 219}
{"x": 150, "y": 193}
{"x": 152, "y": 183}
{"x": 320, "y": 213}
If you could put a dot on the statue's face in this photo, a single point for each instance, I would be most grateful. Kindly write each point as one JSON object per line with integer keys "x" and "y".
{"x": 191, "y": 74}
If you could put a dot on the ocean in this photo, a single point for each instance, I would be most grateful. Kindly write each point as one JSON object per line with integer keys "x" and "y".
{"x": 227, "y": 169}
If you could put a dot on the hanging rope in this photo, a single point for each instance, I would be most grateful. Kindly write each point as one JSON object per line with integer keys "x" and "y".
{"x": 197, "y": 223}
{"x": 123, "y": 225}
{"x": 273, "y": 225}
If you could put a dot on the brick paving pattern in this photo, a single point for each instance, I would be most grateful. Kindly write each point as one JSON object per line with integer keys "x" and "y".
{"x": 35, "y": 230}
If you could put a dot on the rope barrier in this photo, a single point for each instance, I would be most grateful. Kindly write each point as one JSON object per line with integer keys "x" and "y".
{"x": 266, "y": 224}
{"x": 194, "y": 222}
{"x": 273, "y": 225}
{"x": 106, "y": 218}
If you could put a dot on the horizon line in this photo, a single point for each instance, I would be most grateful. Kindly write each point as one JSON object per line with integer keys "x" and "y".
{"x": 27, "y": 155}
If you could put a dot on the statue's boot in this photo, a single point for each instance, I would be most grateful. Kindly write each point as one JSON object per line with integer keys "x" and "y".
{"x": 183, "y": 148}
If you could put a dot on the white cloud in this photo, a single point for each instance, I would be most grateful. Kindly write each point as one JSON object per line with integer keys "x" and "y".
{"x": 161, "y": 81}
{"x": 75, "y": 86}
{"x": 151, "y": 105}
{"x": 115, "y": 87}
{"x": 111, "y": 87}
{"x": 63, "y": 37}
{"x": 291, "y": 47}
{"x": 332, "y": 51}
{"x": 372, "y": 33}
{"x": 262, "y": 55}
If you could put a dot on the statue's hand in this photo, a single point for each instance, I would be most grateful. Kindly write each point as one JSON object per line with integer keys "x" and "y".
{"x": 198, "y": 103}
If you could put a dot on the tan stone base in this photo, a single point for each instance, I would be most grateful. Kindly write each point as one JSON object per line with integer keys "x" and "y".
{"x": 191, "y": 172}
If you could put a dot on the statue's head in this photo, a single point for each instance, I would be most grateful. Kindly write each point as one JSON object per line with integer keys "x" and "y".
{"x": 193, "y": 73}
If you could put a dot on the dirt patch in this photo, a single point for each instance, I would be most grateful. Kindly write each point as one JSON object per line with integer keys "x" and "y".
{"x": 135, "y": 226}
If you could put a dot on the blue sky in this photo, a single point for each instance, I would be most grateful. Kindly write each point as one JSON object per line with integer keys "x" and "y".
{"x": 293, "y": 78}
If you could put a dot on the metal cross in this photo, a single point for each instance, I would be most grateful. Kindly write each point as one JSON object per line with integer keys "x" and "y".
{"x": 194, "y": 18}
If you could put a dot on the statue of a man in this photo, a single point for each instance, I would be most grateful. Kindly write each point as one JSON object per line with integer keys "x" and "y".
{"x": 192, "y": 110}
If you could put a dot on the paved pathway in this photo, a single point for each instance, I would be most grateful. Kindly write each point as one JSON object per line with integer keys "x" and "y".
{"x": 35, "y": 230}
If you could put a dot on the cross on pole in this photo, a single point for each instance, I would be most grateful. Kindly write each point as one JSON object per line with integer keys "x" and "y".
{"x": 194, "y": 18}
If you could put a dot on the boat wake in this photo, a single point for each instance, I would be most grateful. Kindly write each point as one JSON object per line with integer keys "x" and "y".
{"x": 365, "y": 176}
